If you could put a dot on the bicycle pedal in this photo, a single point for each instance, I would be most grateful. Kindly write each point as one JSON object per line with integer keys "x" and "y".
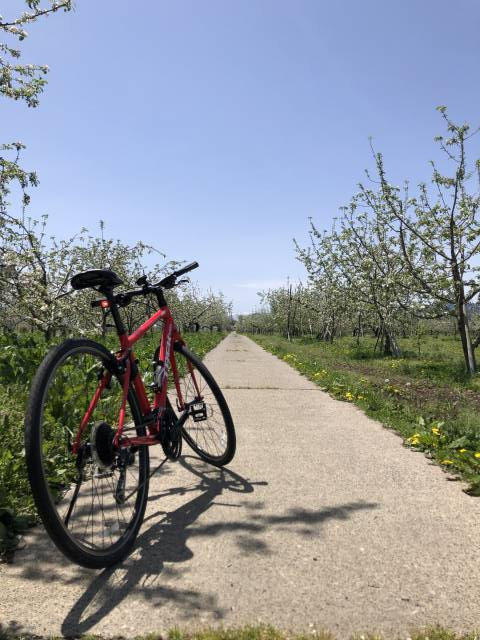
{"x": 199, "y": 414}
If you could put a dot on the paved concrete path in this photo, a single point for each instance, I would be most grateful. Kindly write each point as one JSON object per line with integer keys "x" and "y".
{"x": 323, "y": 520}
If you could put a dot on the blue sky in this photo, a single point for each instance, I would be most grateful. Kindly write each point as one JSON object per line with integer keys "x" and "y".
{"x": 213, "y": 129}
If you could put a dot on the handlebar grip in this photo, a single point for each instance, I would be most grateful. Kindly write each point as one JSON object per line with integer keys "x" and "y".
{"x": 189, "y": 267}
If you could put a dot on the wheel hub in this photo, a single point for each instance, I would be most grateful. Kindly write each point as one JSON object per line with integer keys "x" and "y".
{"x": 103, "y": 451}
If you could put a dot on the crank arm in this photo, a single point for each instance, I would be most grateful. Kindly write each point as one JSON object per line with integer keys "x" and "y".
{"x": 177, "y": 427}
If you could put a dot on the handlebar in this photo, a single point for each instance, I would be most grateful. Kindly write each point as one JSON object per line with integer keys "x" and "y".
{"x": 124, "y": 298}
{"x": 171, "y": 280}
{"x": 183, "y": 270}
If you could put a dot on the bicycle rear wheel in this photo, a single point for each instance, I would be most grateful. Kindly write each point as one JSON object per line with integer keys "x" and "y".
{"x": 92, "y": 503}
{"x": 209, "y": 429}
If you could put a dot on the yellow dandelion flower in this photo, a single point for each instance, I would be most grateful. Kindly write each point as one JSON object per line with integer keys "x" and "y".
{"x": 477, "y": 455}
{"x": 462, "y": 450}
{"x": 447, "y": 461}
{"x": 436, "y": 431}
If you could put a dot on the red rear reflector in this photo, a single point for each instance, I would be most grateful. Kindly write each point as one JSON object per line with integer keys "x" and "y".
{"x": 104, "y": 304}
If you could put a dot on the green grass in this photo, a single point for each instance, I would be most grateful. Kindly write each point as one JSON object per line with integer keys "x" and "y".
{"x": 265, "y": 633}
{"x": 20, "y": 356}
{"x": 426, "y": 397}
{"x": 270, "y": 633}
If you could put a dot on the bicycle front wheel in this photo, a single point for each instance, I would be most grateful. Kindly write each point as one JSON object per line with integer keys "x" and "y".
{"x": 209, "y": 429}
{"x": 91, "y": 502}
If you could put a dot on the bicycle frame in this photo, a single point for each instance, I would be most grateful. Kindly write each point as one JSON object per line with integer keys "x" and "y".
{"x": 151, "y": 415}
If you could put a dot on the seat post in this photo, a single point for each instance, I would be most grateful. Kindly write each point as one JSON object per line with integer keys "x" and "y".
{"x": 117, "y": 318}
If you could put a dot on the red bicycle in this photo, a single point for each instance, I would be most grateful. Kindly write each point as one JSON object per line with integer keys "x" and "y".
{"x": 89, "y": 425}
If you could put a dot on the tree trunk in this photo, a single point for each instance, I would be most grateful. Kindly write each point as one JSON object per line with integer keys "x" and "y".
{"x": 387, "y": 341}
{"x": 464, "y": 330}
{"x": 359, "y": 328}
{"x": 390, "y": 346}
{"x": 289, "y": 311}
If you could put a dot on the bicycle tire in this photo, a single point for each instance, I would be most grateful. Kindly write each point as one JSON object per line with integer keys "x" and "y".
{"x": 41, "y": 486}
{"x": 193, "y": 432}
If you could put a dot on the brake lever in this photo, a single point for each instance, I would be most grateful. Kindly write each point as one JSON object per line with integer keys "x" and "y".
{"x": 142, "y": 281}
{"x": 177, "y": 284}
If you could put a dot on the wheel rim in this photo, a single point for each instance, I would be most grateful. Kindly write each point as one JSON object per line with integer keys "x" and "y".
{"x": 96, "y": 493}
{"x": 208, "y": 435}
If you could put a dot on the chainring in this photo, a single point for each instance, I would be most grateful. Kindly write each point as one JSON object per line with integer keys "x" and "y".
{"x": 170, "y": 438}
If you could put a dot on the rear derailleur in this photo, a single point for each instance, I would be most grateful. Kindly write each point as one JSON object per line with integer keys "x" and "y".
{"x": 104, "y": 459}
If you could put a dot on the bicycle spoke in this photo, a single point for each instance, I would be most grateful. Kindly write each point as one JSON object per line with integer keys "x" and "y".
{"x": 89, "y": 500}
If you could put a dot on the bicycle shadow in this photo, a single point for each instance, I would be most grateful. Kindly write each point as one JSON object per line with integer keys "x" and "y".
{"x": 167, "y": 542}
{"x": 164, "y": 542}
